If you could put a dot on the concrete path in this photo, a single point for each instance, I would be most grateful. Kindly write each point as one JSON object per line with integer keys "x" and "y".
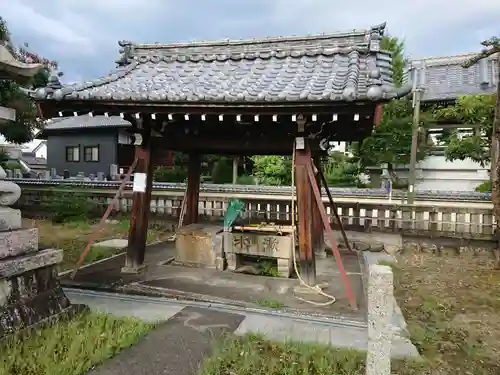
{"x": 273, "y": 324}
{"x": 176, "y": 347}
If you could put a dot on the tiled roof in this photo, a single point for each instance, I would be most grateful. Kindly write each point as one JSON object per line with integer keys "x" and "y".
{"x": 86, "y": 121}
{"x": 33, "y": 160}
{"x": 337, "y": 67}
{"x": 444, "y": 78}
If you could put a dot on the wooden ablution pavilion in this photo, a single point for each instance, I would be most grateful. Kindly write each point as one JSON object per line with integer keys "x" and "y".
{"x": 237, "y": 97}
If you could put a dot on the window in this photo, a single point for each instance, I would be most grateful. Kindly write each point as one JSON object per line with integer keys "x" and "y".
{"x": 91, "y": 153}
{"x": 73, "y": 153}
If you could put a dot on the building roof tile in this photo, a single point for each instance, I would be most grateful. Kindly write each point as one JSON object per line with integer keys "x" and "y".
{"x": 336, "y": 67}
{"x": 444, "y": 78}
{"x": 86, "y": 121}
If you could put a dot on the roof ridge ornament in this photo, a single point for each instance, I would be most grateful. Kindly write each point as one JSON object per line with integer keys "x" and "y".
{"x": 126, "y": 51}
{"x": 375, "y": 36}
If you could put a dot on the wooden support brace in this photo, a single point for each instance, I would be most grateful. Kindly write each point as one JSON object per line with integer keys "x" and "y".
{"x": 329, "y": 232}
{"x": 317, "y": 223}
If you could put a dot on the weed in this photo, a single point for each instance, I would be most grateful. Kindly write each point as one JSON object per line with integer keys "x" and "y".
{"x": 70, "y": 347}
{"x": 268, "y": 268}
{"x": 271, "y": 303}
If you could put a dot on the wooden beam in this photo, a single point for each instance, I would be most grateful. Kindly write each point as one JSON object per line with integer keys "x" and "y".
{"x": 50, "y": 108}
{"x": 193, "y": 189}
{"x": 233, "y": 146}
{"x": 141, "y": 199}
{"x": 304, "y": 214}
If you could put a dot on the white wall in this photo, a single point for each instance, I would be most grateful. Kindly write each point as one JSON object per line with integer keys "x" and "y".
{"x": 436, "y": 173}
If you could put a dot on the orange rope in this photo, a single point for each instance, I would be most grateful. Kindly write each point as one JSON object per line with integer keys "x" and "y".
{"x": 95, "y": 234}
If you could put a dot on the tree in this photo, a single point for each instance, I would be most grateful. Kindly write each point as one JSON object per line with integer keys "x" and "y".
{"x": 272, "y": 169}
{"x": 491, "y": 47}
{"x": 341, "y": 170}
{"x": 390, "y": 142}
{"x": 22, "y": 129}
{"x": 473, "y": 110}
{"x": 396, "y": 47}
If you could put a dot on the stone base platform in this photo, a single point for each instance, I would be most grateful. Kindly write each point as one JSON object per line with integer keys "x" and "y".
{"x": 30, "y": 294}
{"x": 262, "y": 245}
{"x": 200, "y": 245}
{"x": 30, "y": 298}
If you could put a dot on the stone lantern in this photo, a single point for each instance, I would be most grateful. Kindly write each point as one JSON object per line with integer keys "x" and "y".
{"x": 29, "y": 289}
{"x": 18, "y": 71}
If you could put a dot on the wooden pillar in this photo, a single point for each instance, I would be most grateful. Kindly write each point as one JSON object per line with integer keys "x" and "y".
{"x": 235, "y": 169}
{"x": 141, "y": 200}
{"x": 317, "y": 222}
{"x": 193, "y": 189}
{"x": 304, "y": 215}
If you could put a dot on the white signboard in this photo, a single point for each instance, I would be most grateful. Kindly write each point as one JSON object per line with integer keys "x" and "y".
{"x": 139, "y": 183}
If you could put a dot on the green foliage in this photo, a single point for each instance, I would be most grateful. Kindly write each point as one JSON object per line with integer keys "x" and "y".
{"x": 12, "y": 165}
{"x": 341, "y": 170}
{"x": 396, "y": 47}
{"x": 4, "y": 158}
{"x": 391, "y": 140}
{"x": 245, "y": 180}
{"x": 485, "y": 187}
{"x": 170, "y": 174}
{"x": 478, "y": 110}
{"x": 22, "y": 129}
{"x": 272, "y": 170}
{"x": 222, "y": 172}
{"x": 68, "y": 205}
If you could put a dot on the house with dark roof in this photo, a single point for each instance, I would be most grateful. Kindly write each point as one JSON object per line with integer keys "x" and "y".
{"x": 85, "y": 144}
{"x": 89, "y": 144}
{"x": 444, "y": 79}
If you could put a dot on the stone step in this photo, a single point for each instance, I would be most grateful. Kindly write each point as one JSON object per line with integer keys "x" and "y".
{"x": 24, "y": 263}
{"x": 18, "y": 242}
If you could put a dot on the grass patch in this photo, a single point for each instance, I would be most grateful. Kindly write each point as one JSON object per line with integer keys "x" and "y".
{"x": 254, "y": 355}
{"x": 451, "y": 305}
{"x": 70, "y": 347}
{"x": 270, "y": 303}
{"x": 73, "y": 236}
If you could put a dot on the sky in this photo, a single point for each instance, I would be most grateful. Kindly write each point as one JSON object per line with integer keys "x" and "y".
{"x": 82, "y": 35}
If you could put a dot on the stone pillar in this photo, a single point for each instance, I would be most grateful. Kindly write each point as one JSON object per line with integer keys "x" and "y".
{"x": 29, "y": 289}
{"x": 380, "y": 310}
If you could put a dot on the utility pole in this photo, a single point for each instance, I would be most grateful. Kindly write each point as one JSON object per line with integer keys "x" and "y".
{"x": 495, "y": 130}
{"x": 417, "y": 95}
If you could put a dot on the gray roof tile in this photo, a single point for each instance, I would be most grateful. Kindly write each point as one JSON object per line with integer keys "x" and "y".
{"x": 337, "y": 67}
{"x": 444, "y": 78}
{"x": 86, "y": 121}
